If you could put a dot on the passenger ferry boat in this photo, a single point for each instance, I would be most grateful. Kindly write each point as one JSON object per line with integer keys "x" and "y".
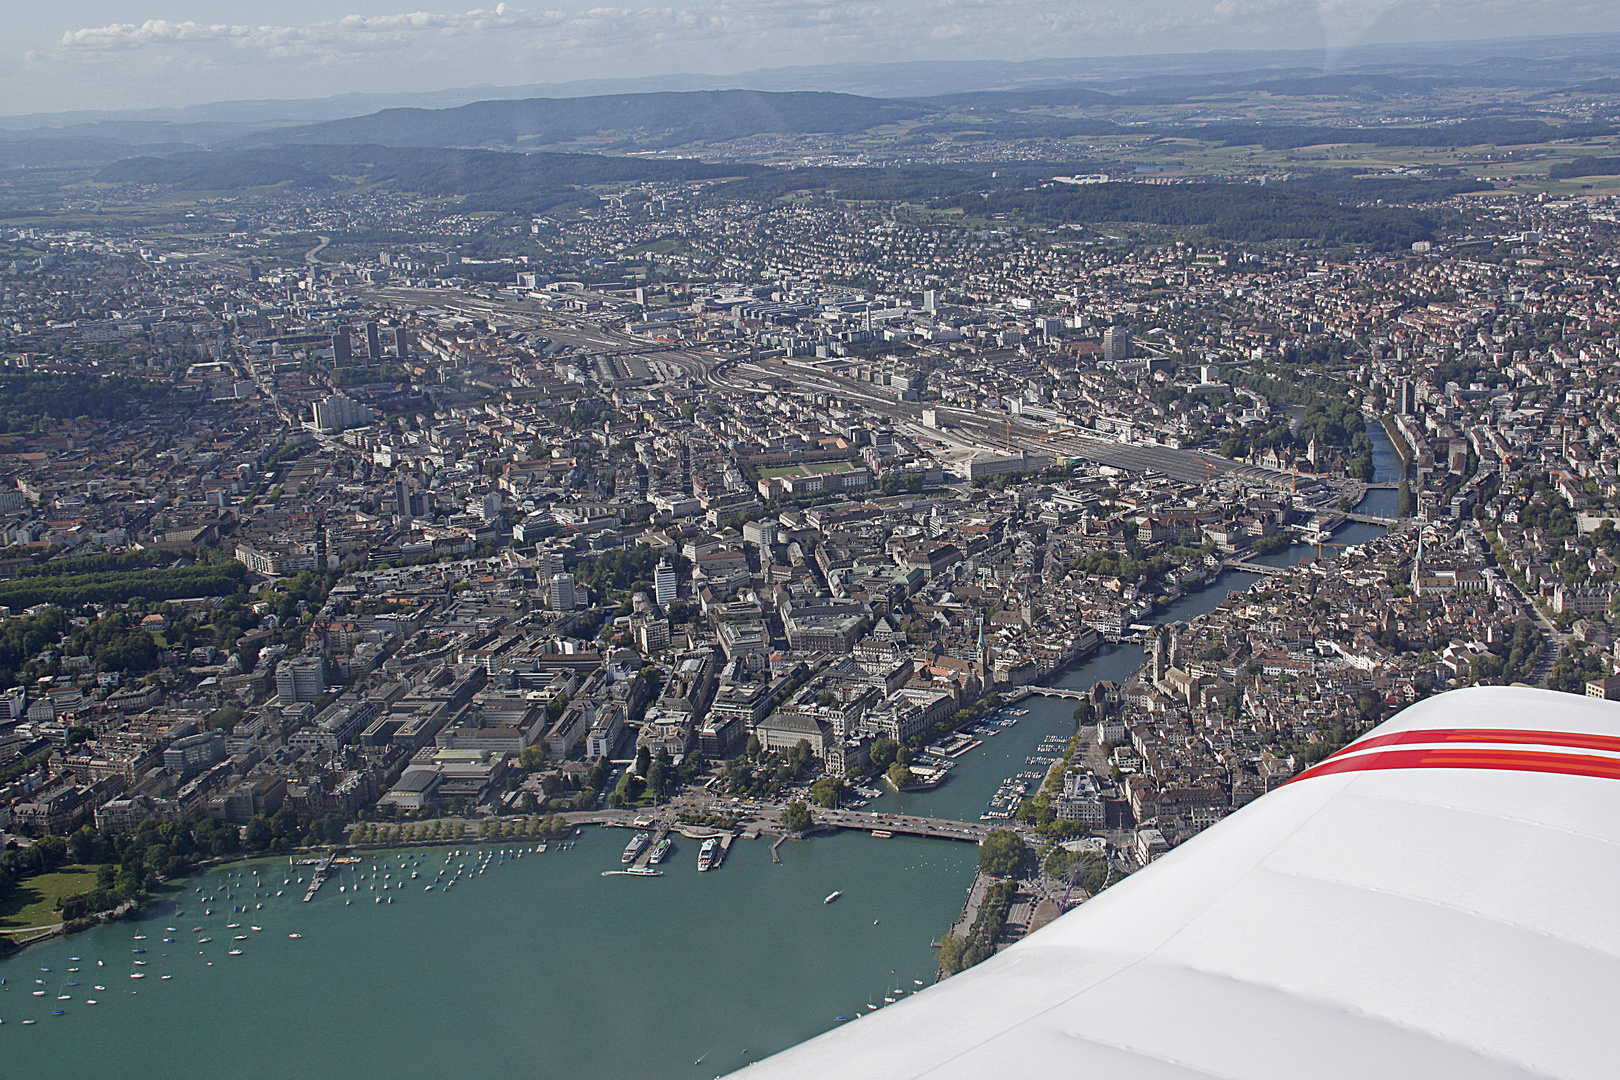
{"x": 661, "y": 850}
{"x": 637, "y": 845}
{"x": 706, "y": 853}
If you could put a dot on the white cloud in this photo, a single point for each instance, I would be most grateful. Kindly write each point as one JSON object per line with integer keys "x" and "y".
{"x": 160, "y": 60}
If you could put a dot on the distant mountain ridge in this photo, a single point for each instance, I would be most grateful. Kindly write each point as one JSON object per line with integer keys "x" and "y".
{"x": 900, "y": 79}
{"x": 656, "y": 120}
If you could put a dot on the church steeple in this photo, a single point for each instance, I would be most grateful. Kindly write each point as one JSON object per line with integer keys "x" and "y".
{"x": 1417, "y": 568}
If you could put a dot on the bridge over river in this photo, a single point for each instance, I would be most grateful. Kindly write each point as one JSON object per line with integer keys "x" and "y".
{"x": 938, "y": 828}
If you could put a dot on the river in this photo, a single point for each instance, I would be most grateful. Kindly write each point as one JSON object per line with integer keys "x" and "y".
{"x": 540, "y": 966}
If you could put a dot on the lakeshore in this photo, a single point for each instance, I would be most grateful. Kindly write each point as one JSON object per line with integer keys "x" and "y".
{"x": 650, "y": 976}
{"x": 763, "y": 919}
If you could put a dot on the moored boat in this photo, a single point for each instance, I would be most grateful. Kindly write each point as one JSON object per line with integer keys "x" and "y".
{"x": 637, "y": 845}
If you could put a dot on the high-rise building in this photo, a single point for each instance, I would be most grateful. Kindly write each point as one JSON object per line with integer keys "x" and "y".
{"x": 402, "y": 342}
{"x": 563, "y": 595}
{"x": 1406, "y": 398}
{"x": 342, "y": 351}
{"x": 303, "y": 678}
{"x": 665, "y": 586}
{"x": 930, "y": 300}
{"x": 402, "y": 498}
{"x": 339, "y": 413}
{"x": 1116, "y": 343}
{"x": 373, "y": 340}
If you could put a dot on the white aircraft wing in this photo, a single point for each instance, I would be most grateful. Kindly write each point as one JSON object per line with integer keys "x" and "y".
{"x": 1440, "y": 899}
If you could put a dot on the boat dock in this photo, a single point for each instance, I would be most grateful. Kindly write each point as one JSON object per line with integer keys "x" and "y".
{"x": 645, "y": 857}
{"x": 317, "y": 879}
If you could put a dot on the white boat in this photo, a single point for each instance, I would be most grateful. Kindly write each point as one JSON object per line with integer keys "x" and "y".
{"x": 832, "y": 896}
{"x": 637, "y": 845}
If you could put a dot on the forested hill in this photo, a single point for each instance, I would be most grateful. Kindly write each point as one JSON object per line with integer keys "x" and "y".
{"x": 654, "y": 120}
{"x": 489, "y": 180}
{"x": 620, "y": 122}
{"x": 1328, "y": 208}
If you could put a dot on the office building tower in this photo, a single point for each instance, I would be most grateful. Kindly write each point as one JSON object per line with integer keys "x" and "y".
{"x": 302, "y": 678}
{"x": 665, "y": 587}
{"x": 1116, "y": 343}
{"x": 563, "y": 595}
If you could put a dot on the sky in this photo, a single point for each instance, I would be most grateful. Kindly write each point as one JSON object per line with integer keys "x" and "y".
{"x": 117, "y": 54}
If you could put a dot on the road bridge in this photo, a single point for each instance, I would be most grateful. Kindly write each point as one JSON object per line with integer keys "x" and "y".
{"x": 1257, "y": 568}
{"x": 1371, "y": 519}
{"x": 1053, "y": 691}
{"x": 937, "y": 828}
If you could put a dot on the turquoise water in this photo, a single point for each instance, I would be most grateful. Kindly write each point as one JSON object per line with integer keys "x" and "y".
{"x": 539, "y": 967}
{"x": 978, "y": 773}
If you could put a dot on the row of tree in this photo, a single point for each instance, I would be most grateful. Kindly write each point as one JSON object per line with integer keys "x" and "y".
{"x": 960, "y": 953}
{"x": 117, "y": 587}
{"x": 31, "y": 401}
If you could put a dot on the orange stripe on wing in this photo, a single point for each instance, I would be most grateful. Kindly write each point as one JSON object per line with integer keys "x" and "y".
{"x": 1581, "y": 740}
{"x": 1466, "y": 757}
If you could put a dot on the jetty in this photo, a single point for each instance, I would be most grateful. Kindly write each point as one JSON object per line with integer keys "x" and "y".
{"x": 317, "y": 879}
{"x": 645, "y": 858}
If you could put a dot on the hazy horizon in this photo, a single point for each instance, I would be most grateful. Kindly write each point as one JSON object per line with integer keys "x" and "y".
{"x": 124, "y": 54}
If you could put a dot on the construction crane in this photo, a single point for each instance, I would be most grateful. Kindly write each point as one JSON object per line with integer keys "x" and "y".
{"x": 1320, "y": 544}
